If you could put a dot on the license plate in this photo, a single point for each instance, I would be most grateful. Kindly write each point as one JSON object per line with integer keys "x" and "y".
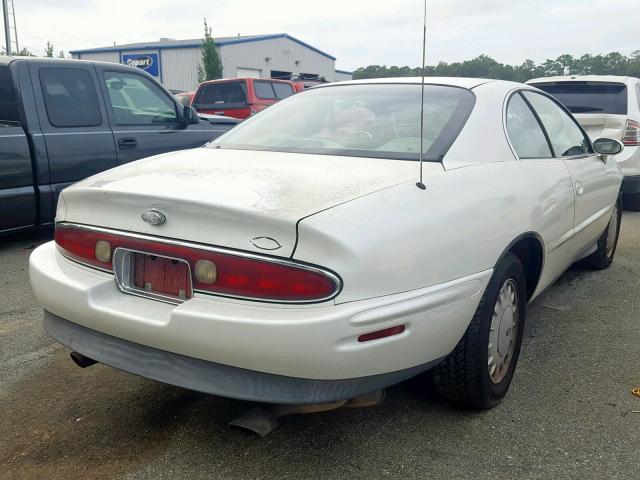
{"x": 153, "y": 276}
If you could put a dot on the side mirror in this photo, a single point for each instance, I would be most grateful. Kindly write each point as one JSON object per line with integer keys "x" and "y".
{"x": 190, "y": 116}
{"x": 607, "y": 146}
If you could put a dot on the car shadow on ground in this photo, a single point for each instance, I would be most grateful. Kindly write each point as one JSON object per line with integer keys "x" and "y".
{"x": 27, "y": 240}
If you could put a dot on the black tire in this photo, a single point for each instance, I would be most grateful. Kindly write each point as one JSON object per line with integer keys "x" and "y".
{"x": 601, "y": 258}
{"x": 631, "y": 201}
{"x": 463, "y": 377}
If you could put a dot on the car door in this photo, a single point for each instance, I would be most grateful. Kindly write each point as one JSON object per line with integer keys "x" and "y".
{"x": 550, "y": 182}
{"x": 17, "y": 192}
{"x": 144, "y": 117}
{"x": 73, "y": 123}
{"x": 594, "y": 177}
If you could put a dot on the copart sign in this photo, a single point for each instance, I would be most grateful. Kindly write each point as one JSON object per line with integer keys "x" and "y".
{"x": 146, "y": 61}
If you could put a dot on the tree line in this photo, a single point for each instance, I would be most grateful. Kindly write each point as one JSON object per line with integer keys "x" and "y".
{"x": 25, "y": 52}
{"x": 484, "y": 66}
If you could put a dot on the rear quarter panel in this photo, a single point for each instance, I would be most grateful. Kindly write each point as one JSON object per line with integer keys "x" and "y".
{"x": 403, "y": 238}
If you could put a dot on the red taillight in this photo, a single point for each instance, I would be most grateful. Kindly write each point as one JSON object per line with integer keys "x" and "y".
{"x": 631, "y": 137}
{"x": 213, "y": 270}
{"x": 81, "y": 245}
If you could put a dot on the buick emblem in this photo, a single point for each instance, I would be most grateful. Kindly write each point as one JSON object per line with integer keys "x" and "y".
{"x": 154, "y": 217}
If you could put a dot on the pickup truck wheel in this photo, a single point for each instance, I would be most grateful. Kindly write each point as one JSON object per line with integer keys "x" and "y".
{"x": 478, "y": 372}
{"x": 607, "y": 243}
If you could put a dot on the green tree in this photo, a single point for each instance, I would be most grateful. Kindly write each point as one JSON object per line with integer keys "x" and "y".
{"x": 211, "y": 67}
{"x": 61, "y": 54}
{"x": 22, "y": 53}
{"x": 48, "y": 50}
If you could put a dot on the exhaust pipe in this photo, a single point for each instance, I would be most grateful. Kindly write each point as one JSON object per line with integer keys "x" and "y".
{"x": 264, "y": 419}
{"x": 82, "y": 361}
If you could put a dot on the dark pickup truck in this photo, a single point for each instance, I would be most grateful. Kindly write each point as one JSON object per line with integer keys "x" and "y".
{"x": 64, "y": 120}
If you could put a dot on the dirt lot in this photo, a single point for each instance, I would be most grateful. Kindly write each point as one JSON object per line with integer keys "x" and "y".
{"x": 570, "y": 412}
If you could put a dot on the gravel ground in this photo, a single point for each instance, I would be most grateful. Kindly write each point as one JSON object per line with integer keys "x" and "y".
{"x": 570, "y": 412}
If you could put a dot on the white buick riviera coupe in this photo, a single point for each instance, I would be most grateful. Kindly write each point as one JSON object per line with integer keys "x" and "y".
{"x": 298, "y": 259}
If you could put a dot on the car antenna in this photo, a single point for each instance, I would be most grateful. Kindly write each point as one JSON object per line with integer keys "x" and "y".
{"x": 421, "y": 185}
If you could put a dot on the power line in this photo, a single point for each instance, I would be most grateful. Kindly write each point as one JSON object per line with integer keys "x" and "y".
{"x": 46, "y": 39}
{"x": 79, "y": 38}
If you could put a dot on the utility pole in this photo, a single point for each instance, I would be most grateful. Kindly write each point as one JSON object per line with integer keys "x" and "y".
{"x": 15, "y": 28}
{"x": 7, "y": 32}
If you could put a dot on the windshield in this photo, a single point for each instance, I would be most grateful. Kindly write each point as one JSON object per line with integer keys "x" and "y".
{"x": 366, "y": 120}
{"x": 589, "y": 97}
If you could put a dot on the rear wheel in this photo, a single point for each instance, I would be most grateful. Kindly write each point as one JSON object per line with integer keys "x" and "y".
{"x": 479, "y": 371}
{"x": 607, "y": 243}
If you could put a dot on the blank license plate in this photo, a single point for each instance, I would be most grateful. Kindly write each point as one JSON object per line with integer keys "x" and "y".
{"x": 161, "y": 275}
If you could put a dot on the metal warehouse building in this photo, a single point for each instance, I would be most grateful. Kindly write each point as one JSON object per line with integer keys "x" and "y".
{"x": 175, "y": 62}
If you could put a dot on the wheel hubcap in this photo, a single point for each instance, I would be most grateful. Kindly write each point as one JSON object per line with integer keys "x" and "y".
{"x": 504, "y": 331}
{"x": 611, "y": 232}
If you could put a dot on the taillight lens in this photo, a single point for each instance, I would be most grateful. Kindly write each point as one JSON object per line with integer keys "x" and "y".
{"x": 631, "y": 137}
{"x": 82, "y": 245}
{"x": 213, "y": 271}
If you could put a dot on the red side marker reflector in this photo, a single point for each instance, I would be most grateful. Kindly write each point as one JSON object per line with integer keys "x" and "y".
{"x": 387, "y": 332}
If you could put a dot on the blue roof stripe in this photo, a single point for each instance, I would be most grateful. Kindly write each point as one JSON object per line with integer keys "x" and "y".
{"x": 195, "y": 44}
{"x": 344, "y": 71}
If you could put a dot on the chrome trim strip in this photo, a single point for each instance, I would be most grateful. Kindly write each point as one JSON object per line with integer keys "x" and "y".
{"x": 225, "y": 251}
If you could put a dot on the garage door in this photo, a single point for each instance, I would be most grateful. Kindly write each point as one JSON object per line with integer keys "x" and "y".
{"x": 248, "y": 72}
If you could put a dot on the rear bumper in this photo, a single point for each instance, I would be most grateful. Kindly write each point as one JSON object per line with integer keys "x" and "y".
{"x": 316, "y": 342}
{"x": 213, "y": 378}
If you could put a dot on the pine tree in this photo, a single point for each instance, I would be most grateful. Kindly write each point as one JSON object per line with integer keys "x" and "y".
{"x": 211, "y": 66}
{"x": 48, "y": 50}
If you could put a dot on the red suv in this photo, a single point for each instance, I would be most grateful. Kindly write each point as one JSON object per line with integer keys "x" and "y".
{"x": 240, "y": 97}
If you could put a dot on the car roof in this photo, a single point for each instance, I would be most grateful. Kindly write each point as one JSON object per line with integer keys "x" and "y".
{"x": 462, "y": 82}
{"x": 453, "y": 81}
{"x": 582, "y": 78}
{"x": 4, "y": 60}
{"x": 241, "y": 79}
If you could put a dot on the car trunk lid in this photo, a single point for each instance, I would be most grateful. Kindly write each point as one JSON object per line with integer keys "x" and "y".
{"x": 247, "y": 200}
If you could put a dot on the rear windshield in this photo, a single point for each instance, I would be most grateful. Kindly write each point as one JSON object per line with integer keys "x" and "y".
{"x": 8, "y": 103}
{"x": 589, "y": 97}
{"x": 221, "y": 95}
{"x": 380, "y": 121}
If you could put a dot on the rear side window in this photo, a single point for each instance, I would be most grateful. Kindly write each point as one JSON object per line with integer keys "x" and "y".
{"x": 283, "y": 90}
{"x": 589, "y": 97}
{"x": 638, "y": 94}
{"x": 272, "y": 90}
{"x": 524, "y": 131}
{"x": 566, "y": 137}
{"x": 70, "y": 97}
{"x": 8, "y": 101}
{"x": 221, "y": 95}
{"x": 264, "y": 90}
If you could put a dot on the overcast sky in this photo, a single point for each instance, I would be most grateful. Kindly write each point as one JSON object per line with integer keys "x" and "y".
{"x": 357, "y": 32}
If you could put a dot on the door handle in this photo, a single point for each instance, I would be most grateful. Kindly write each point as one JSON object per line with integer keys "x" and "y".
{"x": 579, "y": 188}
{"x": 127, "y": 143}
